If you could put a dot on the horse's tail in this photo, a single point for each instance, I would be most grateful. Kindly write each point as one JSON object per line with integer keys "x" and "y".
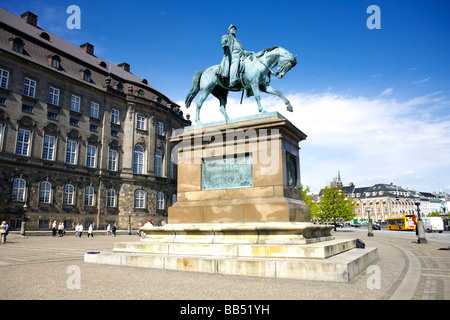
{"x": 194, "y": 90}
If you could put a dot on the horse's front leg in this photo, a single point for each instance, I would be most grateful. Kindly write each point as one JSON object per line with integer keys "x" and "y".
{"x": 271, "y": 90}
{"x": 257, "y": 94}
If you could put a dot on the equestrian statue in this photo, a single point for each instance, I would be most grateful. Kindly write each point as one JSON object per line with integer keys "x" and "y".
{"x": 241, "y": 70}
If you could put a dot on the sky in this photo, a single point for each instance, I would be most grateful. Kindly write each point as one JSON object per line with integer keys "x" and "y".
{"x": 374, "y": 103}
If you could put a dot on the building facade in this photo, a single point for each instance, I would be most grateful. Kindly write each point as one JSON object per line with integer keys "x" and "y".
{"x": 81, "y": 140}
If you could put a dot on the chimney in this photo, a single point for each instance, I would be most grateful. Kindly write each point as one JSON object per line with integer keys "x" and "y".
{"x": 125, "y": 66}
{"x": 30, "y": 18}
{"x": 88, "y": 48}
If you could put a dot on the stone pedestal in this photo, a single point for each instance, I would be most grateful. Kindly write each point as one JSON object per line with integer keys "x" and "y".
{"x": 243, "y": 171}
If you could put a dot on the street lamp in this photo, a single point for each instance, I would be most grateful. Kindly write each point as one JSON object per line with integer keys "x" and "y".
{"x": 420, "y": 231}
{"x": 369, "y": 224}
{"x": 24, "y": 219}
{"x": 129, "y": 222}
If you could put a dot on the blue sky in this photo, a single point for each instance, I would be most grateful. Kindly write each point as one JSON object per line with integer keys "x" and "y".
{"x": 375, "y": 104}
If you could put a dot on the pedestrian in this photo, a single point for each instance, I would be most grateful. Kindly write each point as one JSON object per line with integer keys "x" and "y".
{"x": 61, "y": 229}
{"x": 90, "y": 231}
{"x": 114, "y": 230}
{"x": 108, "y": 230}
{"x": 54, "y": 228}
{"x": 4, "y": 230}
{"x": 77, "y": 230}
{"x": 80, "y": 229}
{"x": 149, "y": 223}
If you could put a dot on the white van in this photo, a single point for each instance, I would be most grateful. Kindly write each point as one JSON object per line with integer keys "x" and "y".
{"x": 433, "y": 224}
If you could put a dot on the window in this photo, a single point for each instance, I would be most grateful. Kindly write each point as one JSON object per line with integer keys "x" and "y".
{"x": 160, "y": 201}
{"x": 141, "y": 93}
{"x": 89, "y": 196}
{"x": 27, "y": 108}
{"x": 87, "y": 75}
{"x": 141, "y": 122}
{"x": 73, "y": 122}
{"x": 69, "y": 195}
{"x": 113, "y": 160}
{"x": 19, "y": 190}
{"x": 139, "y": 199}
{"x": 158, "y": 163}
{"x": 111, "y": 198}
{"x": 48, "y": 151}
{"x": 75, "y": 103}
{"x": 71, "y": 153}
{"x": 91, "y": 156}
{"x": 18, "y": 45}
{"x": 174, "y": 198}
{"x": 52, "y": 115}
{"x": 29, "y": 88}
{"x": 120, "y": 87}
{"x": 94, "y": 110}
{"x": 93, "y": 127}
{"x": 45, "y": 192}
{"x": 53, "y": 96}
{"x": 56, "y": 62}
{"x": 115, "y": 116}
{"x": 4, "y": 77}
{"x": 138, "y": 160}
{"x": 160, "y": 129}
{"x": 23, "y": 142}
{"x": 173, "y": 169}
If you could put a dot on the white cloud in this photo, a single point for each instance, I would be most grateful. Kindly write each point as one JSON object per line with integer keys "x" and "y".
{"x": 387, "y": 92}
{"x": 422, "y": 80}
{"x": 370, "y": 140}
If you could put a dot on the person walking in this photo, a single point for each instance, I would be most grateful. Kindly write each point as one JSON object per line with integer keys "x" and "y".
{"x": 80, "y": 229}
{"x": 54, "y": 226}
{"x": 114, "y": 230}
{"x": 108, "y": 230}
{"x": 4, "y": 230}
{"x": 61, "y": 229}
{"x": 90, "y": 231}
{"x": 77, "y": 230}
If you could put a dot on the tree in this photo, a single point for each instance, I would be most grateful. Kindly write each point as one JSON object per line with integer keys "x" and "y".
{"x": 308, "y": 200}
{"x": 334, "y": 205}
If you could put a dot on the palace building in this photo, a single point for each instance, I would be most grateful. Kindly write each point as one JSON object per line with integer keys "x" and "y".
{"x": 81, "y": 140}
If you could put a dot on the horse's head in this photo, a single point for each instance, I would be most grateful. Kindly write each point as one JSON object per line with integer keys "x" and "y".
{"x": 286, "y": 63}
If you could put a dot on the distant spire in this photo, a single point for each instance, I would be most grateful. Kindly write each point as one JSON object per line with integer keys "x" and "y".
{"x": 339, "y": 182}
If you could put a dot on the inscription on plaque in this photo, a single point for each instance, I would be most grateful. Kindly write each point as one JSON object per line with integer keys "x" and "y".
{"x": 227, "y": 173}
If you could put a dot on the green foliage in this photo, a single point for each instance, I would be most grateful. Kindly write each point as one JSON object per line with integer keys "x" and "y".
{"x": 308, "y": 200}
{"x": 334, "y": 206}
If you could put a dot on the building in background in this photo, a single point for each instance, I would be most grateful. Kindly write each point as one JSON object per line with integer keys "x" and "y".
{"x": 81, "y": 140}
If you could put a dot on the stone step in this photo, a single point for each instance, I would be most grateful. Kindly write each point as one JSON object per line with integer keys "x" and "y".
{"x": 339, "y": 268}
{"x": 320, "y": 250}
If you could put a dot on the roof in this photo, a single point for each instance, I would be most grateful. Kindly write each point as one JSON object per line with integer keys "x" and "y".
{"x": 67, "y": 48}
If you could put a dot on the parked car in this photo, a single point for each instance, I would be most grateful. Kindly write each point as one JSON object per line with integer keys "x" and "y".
{"x": 376, "y": 226}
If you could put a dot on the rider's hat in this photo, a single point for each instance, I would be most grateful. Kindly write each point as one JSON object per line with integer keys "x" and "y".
{"x": 231, "y": 26}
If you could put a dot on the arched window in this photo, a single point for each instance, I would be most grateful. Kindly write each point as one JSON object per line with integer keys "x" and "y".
{"x": 141, "y": 93}
{"x": 69, "y": 195}
{"x": 19, "y": 190}
{"x": 45, "y": 192}
{"x": 56, "y": 62}
{"x": 89, "y": 197}
{"x": 111, "y": 198}
{"x": 158, "y": 163}
{"x": 160, "y": 201}
{"x": 87, "y": 75}
{"x": 139, "y": 199}
{"x": 138, "y": 159}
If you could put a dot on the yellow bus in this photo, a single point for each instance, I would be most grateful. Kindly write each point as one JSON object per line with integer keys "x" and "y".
{"x": 405, "y": 222}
